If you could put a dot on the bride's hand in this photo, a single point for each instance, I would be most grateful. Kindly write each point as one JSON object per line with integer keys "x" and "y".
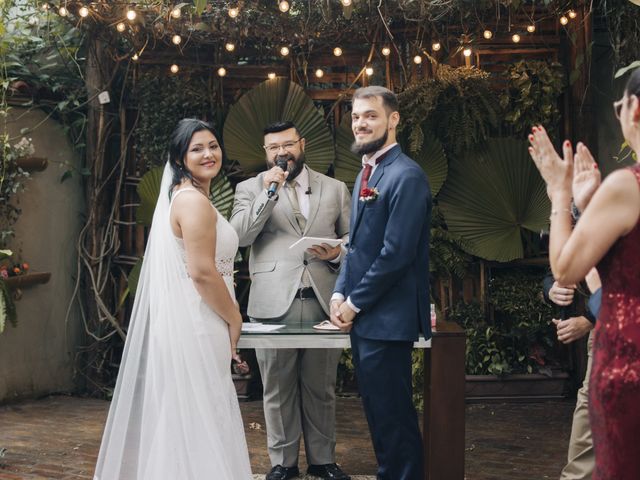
{"x": 238, "y": 365}
{"x": 555, "y": 171}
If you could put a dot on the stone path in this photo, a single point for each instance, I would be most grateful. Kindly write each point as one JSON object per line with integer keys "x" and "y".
{"x": 58, "y": 438}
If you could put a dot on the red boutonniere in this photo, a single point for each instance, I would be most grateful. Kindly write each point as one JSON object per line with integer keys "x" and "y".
{"x": 369, "y": 194}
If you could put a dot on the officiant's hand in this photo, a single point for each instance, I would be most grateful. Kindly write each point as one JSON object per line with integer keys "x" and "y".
{"x": 275, "y": 174}
{"x": 325, "y": 251}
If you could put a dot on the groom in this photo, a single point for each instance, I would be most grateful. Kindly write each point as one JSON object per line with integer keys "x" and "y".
{"x": 382, "y": 293}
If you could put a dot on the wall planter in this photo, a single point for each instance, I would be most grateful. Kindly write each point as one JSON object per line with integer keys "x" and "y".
{"x": 32, "y": 164}
{"x": 532, "y": 386}
{"x": 27, "y": 280}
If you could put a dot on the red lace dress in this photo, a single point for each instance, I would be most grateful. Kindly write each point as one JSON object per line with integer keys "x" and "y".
{"x": 615, "y": 376}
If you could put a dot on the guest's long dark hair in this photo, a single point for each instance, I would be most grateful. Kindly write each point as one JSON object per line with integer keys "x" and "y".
{"x": 178, "y": 147}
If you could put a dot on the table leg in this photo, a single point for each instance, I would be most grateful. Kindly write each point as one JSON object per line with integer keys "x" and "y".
{"x": 444, "y": 407}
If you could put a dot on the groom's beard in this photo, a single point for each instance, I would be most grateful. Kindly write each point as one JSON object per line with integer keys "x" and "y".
{"x": 369, "y": 147}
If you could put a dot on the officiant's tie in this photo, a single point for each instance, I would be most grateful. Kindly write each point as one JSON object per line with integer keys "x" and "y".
{"x": 300, "y": 219}
{"x": 295, "y": 204}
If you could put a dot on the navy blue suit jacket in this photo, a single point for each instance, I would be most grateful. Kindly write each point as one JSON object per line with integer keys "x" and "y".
{"x": 386, "y": 270}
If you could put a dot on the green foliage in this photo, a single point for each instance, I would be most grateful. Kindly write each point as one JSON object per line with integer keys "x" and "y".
{"x": 622, "y": 20}
{"x": 7, "y": 307}
{"x": 162, "y": 101}
{"x": 531, "y": 96}
{"x": 457, "y": 105}
{"x": 12, "y": 179}
{"x": 447, "y": 251}
{"x": 522, "y": 337}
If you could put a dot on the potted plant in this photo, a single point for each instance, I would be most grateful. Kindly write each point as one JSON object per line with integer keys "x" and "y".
{"x": 512, "y": 349}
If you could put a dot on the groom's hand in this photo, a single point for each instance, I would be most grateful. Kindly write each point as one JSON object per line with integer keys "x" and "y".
{"x": 335, "y": 316}
{"x": 344, "y": 317}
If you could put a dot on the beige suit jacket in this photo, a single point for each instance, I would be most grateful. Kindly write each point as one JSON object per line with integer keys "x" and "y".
{"x": 269, "y": 227}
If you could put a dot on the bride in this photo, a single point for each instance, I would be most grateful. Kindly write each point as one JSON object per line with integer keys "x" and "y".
{"x": 174, "y": 413}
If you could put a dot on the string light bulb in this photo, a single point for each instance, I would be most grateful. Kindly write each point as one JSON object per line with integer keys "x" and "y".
{"x": 346, "y": 3}
{"x": 176, "y": 12}
{"x": 467, "y": 52}
{"x": 488, "y": 34}
{"x": 515, "y": 38}
{"x": 135, "y": 57}
{"x": 531, "y": 28}
{"x": 63, "y": 12}
{"x": 271, "y": 75}
{"x": 436, "y": 46}
{"x": 386, "y": 51}
{"x": 234, "y": 12}
{"x": 230, "y": 47}
{"x": 337, "y": 51}
{"x": 174, "y": 68}
{"x": 121, "y": 27}
{"x": 83, "y": 12}
{"x": 45, "y": 6}
{"x": 417, "y": 59}
{"x": 368, "y": 71}
{"x": 131, "y": 14}
{"x": 176, "y": 39}
{"x": 283, "y": 6}
{"x": 319, "y": 73}
{"x": 564, "y": 20}
{"x": 572, "y": 14}
{"x": 284, "y": 51}
{"x": 222, "y": 72}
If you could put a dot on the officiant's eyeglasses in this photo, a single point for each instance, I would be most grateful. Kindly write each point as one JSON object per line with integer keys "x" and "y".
{"x": 274, "y": 148}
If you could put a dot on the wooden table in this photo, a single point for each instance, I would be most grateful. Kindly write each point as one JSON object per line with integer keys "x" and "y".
{"x": 444, "y": 408}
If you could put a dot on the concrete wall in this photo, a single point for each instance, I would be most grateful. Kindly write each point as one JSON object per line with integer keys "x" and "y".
{"x": 36, "y": 357}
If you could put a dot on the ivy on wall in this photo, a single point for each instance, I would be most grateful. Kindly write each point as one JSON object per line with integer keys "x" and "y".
{"x": 163, "y": 101}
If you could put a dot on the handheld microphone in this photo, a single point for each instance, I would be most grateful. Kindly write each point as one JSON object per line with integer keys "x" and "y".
{"x": 273, "y": 187}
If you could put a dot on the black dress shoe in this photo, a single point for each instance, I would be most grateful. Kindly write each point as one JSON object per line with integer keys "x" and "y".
{"x": 330, "y": 471}
{"x": 282, "y": 473}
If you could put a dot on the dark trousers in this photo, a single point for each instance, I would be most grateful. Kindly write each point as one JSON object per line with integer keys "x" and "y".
{"x": 383, "y": 369}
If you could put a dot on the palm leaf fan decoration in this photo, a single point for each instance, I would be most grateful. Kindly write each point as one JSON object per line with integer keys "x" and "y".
{"x": 491, "y": 196}
{"x": 271, "y": 101}
{"x": 347, "y": 164}
{"x": 432, "y": 159}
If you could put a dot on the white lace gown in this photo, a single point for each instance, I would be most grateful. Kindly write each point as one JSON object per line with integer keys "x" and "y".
{"x": 175, "y": 414}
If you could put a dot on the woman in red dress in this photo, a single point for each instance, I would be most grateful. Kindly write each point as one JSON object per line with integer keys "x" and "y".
{"x": 607, "y": 236}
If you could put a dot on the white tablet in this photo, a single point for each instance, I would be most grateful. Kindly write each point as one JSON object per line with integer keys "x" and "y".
{"x": 307, "y": 242}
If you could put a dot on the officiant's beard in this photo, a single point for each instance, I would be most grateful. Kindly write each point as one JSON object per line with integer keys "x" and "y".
{"x": 295, "y": 169}
{"x": 369, "y": 147}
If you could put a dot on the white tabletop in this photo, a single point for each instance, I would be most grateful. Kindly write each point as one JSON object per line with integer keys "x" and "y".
{"x": 304, "y": 338}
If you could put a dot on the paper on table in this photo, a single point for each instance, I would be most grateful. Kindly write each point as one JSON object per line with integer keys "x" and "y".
{"x": 260, "y": 327}
{"x": 307, "y": 242}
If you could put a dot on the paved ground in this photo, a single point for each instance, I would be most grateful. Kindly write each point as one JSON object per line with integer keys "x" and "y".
{"x": 58, "y": 438}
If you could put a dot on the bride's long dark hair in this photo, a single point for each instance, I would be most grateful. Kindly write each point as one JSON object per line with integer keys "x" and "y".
{"x": 178, "y": 147}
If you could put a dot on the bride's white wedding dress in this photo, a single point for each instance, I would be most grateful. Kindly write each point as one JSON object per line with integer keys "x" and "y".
{"x": 175, "y": 413}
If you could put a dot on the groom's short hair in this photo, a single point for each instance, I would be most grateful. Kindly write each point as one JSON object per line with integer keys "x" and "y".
{"x": 389, "y": 99}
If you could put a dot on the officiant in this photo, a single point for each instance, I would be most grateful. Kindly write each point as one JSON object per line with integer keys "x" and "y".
{"x": 272, "y": 211}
